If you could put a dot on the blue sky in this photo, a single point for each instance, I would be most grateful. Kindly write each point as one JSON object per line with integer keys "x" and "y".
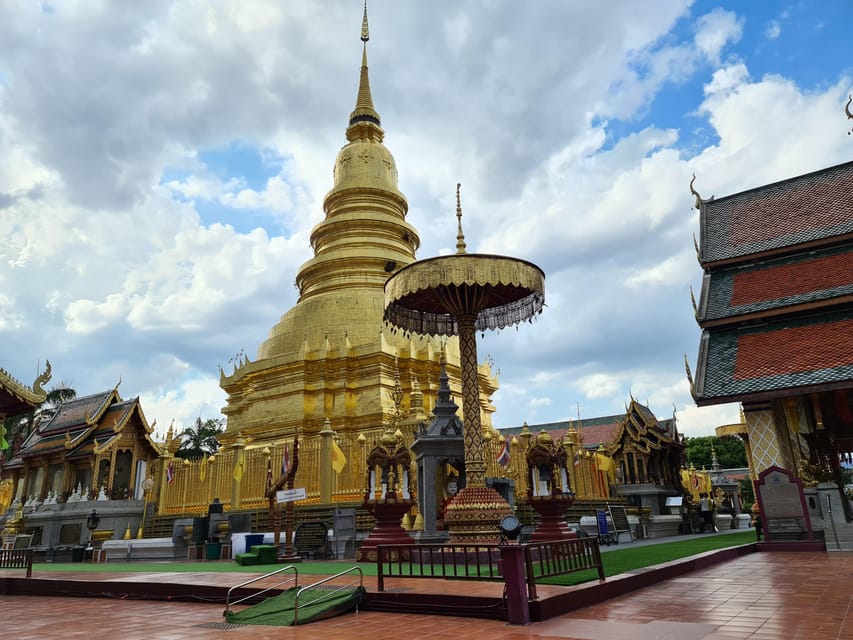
{"x": 164, "y": 166}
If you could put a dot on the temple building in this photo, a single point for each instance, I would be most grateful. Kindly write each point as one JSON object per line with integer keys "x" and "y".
{"x": 776, "y": 313}
{"x": 94, "y": 445}
{"x": 16, "y": 399}
{"x": 331, "y": 357}
{"x": 646, "y": 453}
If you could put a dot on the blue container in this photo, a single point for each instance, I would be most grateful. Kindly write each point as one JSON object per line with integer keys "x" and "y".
{"x": 253, "y": 539}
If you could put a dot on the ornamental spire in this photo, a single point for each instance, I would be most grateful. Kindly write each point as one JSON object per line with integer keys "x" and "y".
{"x": 364, "y": 110}
{"x": 460, "y": 236}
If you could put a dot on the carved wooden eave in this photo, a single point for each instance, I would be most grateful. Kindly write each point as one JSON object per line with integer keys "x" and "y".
{"x": 111, "y": 398}
{"x": 105, "y": 445}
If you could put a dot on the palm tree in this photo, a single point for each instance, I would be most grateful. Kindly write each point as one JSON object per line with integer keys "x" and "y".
{"x": 201, "y": 438}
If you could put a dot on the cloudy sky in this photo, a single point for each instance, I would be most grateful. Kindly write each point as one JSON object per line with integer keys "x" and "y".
{"x": 163, "y": 164}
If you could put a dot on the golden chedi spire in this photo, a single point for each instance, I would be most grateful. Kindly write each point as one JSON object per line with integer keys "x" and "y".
{"x": 364, "y": 111}
{"x": 330, "y": 356}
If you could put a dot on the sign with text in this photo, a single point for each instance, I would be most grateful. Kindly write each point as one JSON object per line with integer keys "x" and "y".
{"x": 290, "y": 495}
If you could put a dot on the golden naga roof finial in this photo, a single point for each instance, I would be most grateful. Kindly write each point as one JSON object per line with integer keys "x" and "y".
{"x": 42, "y": 379}
{"x": 847, "y": 110}
{"x": 460, "y": 237}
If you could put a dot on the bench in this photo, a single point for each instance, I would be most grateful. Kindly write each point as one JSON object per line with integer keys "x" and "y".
{"x": 17, "y": 559}
{"x": 311, "y": 539}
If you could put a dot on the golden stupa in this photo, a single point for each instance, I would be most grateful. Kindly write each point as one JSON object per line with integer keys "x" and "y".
{"x": 331, "y": 356}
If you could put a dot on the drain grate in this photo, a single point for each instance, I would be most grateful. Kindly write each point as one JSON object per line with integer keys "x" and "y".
{"x": 223, "y": 626}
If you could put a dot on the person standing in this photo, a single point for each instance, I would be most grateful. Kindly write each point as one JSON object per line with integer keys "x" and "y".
{"x": 706, "y": 513}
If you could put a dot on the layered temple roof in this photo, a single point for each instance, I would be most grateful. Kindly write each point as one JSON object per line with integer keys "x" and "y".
{"x": 638, "y": 422}
{"x": 84, "y": 426}
{"x": 809, "y": 210}
{"x": 777, "y": 298}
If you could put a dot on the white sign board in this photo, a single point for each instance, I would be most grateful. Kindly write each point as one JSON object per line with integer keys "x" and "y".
{"x": 290, "y": 495}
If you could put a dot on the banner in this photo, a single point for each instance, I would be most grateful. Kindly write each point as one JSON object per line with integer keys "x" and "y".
{"x": 170, "y": 473}
{"x": 285, "y": 460}
{"x": 339, "y": 460}
{"x": 503, "y": 456}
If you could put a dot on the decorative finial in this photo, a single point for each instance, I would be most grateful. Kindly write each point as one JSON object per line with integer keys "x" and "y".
{"x": 693, "y": 301}
{"x": 689, "y": 374}
{"x": 460, "y": 237}
{"x": 365, "y": 33}
{"x": 364, "y": 111}
{"x": 698, "y": 204}
{"x": 847, "y": 110}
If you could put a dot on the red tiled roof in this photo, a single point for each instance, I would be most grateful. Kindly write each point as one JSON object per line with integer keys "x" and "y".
{"x": 794, "y": 349}
{"x": 799, "y": 206}
{"x": 812, "y": 208}
{"x": 792, "y": 279}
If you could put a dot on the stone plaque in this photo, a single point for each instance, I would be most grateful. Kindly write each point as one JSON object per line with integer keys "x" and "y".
{"x": 783, "y": 505}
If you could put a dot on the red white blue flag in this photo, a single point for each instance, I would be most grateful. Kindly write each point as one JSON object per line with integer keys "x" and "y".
{"x": 503, "y": 456}
{"x": 170, "y": 473}
{"x": 285, "y": 460}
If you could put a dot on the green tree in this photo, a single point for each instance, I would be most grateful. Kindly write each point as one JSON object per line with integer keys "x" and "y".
{"x": 201, "y": 438}
{"x": 731, "y": 453}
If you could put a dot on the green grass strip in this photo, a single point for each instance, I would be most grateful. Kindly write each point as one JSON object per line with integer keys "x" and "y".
{"x": 615, "y": 561}
{"x": 631, "y": 558}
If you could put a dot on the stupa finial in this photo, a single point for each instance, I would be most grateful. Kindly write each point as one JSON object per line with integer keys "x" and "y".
{"x": 365, "y": 32}
{"x": 364, "y": 110}
{"x": 460, "y": 237}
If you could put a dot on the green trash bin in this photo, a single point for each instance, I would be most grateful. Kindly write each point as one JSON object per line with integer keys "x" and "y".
{"x": 214, "y": 550}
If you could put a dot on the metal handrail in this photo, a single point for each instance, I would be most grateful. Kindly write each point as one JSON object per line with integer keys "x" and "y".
{"x": 289, "y": 567}
{"x": 331, "y": 592}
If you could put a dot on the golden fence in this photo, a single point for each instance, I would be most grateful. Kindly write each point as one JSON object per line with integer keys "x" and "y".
{"x": 192, "y": 490}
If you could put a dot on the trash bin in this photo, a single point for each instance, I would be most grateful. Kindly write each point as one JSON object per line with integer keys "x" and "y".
{"x": 214, "y": 550}
{"x": 253, "y": 539}
{"x": 77, "y": 554}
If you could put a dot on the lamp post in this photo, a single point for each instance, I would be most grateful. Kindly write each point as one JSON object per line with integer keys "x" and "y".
{"x": 93, "y": 520}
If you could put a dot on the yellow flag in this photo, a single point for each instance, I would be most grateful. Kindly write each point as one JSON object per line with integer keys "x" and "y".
{"x": 339, "y": 460}
{"x": 202, "y": 469}
{"x": 238, "y": 468}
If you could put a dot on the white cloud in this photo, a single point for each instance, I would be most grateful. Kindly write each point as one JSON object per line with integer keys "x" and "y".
{"x": 122, "y": 254}
{"x": 715, "y": 30}
{"x": 773, "y": 30}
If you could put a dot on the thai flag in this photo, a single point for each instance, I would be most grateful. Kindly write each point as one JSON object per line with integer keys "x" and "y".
{"x": 285, "y": 460}
{"x": 577, "y": 458}
{"x": 503, "y": 456}
{"x": 170, "y": 473}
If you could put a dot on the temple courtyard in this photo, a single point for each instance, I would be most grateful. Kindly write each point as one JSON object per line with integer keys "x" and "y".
{"x": 761, "y": 595}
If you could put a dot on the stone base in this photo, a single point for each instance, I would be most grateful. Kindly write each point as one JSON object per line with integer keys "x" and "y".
{"x": 474, "y": 516}
{"x": 552, "y": 525}
{"x": 387, "y": 530}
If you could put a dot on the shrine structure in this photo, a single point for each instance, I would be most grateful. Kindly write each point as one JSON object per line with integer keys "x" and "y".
{"x": 776, "y": 312}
